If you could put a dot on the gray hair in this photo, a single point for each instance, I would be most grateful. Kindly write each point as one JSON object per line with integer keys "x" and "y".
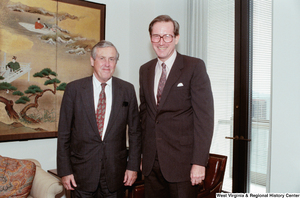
{"x": 103, "y": 44}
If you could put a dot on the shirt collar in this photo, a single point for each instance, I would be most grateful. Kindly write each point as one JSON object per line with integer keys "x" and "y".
{"x": 170, "y": 61}
{"x": 98, "y": 84}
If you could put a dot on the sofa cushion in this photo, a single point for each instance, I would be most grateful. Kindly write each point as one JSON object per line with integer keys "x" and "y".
{"x": 16, "y": 177}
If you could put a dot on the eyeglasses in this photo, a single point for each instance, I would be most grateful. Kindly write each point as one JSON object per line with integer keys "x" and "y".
{"x": 168, "y": 38}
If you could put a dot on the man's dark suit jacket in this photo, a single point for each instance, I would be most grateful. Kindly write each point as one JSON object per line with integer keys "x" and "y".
{"x": 80, "y": 150}
{"x": 180, "y": 129}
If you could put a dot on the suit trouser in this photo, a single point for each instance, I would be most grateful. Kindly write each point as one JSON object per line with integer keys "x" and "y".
{"x": 101, "y": 192}
{"x": 157, "y": 186}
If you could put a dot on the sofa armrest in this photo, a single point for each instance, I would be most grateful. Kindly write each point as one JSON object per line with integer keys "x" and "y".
{"x": 45, "y": 185}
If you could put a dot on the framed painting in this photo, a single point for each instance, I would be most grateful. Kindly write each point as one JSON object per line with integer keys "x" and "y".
{"x": 44, "y": 44}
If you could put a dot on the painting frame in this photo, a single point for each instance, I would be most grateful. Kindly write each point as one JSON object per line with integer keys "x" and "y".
{"x": 23, "y": 136}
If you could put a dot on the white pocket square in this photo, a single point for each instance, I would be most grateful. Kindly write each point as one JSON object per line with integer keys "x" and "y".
{"x": 180, "y": 85}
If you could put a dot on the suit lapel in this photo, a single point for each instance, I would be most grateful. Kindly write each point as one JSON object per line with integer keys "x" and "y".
{"x": 117, "y": 100}
{"x": 88, "y": 102}
{"x": 150, "y": 78}
{"x": 172, "y": 78}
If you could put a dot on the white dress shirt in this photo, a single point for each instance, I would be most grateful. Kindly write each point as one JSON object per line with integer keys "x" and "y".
{"x": 158, "y": 70}
{"x": 108, "y": 93}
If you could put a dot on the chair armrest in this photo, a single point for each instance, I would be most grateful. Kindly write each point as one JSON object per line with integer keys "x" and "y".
{"x": 45, "y": 185}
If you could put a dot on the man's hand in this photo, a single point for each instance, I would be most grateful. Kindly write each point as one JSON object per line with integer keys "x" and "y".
{"x": 129, "y": 177}
{"x": 197, "y": 174}
{"x": 67, "y": 181}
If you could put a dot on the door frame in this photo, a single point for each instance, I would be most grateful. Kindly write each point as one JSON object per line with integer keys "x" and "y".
{"x": 242, "y": 96}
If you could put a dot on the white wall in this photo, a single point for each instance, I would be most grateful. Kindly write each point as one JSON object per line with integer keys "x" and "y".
{"x": 44, "y": 150}
{"x": 127, "y": 28}
{"x": 285, "y": 157}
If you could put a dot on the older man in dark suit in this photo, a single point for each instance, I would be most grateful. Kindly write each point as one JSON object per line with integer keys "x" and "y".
{"x": 177, "y": 116}
{"x": 96, "y": 111}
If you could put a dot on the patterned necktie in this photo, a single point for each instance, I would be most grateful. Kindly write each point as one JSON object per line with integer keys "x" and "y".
{"x": 100, "y": 114}
{"x": 162, "y": 82}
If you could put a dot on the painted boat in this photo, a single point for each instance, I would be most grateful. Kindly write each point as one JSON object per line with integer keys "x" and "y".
{"x": 30, "y": 27}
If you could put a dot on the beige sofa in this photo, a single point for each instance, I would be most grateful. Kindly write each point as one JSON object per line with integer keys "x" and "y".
{"x": 45, "y": 185}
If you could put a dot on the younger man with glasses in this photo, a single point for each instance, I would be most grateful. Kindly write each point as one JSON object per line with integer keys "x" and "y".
{"x": 177, "y": 116}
